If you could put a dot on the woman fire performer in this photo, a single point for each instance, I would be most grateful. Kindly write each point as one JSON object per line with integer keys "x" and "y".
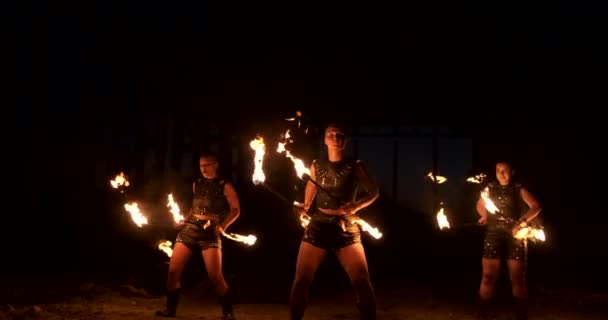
{"x": 516, "y": 208}
{"x": 331, "y": 228}
{"x": 215, "y": 206}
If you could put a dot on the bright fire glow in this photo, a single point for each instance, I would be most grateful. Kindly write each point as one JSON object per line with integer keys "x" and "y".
{"x": 258, "y": 173}
{"x": 437, "y": 179}
{"x": 119, "y": 181}
{"x": 373, "y": 231}
{"x": 530, "y": 233}
{"x": 166, "y": 247}
{"x": 477, "y": 178}
{"x": 249, "y": 240}
{"x": 138, "y": 218}
{"x": 298, "y": 164}
{"x": 490, "y": 206}
{"x": 442, "y": 220}
{"x": 174, "y": 209}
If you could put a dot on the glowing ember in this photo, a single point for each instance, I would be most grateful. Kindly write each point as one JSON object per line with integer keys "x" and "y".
{"x": 530, "y": 233}
{"x": 442, "y": 220}
{"x": 166, "y": 247}
{"x": 304, "y": 218}
{"x": 374, "y": 232}
{"x": 249, "y": 240}
{"x": 490, "y": 206}
{"x": 298, "y": 164}
{"x": 297, "y": 118}
{"x": 138, "y": 218}
{"x": 477, "y": 178}
{"x": 119, "y": 181}
{"x": 174, "y": 209}
{"x": 258, "y": 173}
{"x": 437, "y": 179}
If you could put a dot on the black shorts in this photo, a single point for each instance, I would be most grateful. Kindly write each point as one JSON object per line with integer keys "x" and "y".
{"x": 198, "y": 238}
{"x": 499, "y": 243}
{"x": 331, "y": 232}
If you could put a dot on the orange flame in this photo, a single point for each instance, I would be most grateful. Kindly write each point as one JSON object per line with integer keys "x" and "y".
{"x": 442, "y": 220}
{"x": 296, "y": 118}
{"x": 166, "y": 247}
{"x": 373, "y": 231}
{"x": 138, "y": 218}
{"x": 248, "y": 240}
{"x": 298, "y": 164}
{"x": 490, "y": 206}
{"x": 437, "y": 179}
{"x": 304, "y": 219}
{"x": 258, "y": 173}
{"x": 119, "y": 181}
{"x": 477, "y": 178}
{"x": 174, "y": 209}
{"x": 530, "y": 233}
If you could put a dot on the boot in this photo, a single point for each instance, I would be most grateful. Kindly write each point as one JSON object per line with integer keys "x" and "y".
{"x": 366, "y": 312}
{"x": 171, "y": 307}
{"x": 521, "y": 309}
{"x": 482, "y": 309}
{"x": 226, "y": 302}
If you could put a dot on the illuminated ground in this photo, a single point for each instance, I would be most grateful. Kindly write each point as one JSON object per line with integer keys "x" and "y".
{"x": 93, "y": 301}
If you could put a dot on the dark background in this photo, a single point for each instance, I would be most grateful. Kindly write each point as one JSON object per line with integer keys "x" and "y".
{"x": 91, "y": 87}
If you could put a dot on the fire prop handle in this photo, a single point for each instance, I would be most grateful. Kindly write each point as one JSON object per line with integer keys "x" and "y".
{"x": 276, "y": 193}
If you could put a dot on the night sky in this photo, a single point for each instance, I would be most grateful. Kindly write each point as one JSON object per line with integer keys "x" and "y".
{"x": 94, "y": 89}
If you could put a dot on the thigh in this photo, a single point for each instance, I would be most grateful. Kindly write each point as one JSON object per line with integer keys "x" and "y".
{"x": 490, "y": 267}
{"x": 213, "y": 261}
{"x": 309, "y": 260}
{"x": 353, "y": 260}
{"x": 179, "y": 258}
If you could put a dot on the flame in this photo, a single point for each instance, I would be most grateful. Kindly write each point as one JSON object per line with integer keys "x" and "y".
{"x": 165, "y": 246}
{"x": 304, "y": 219}
{"x": 442, "y": 220}
{"x": 249, "y": 240}
{"x": 298, "y": 164}
{"x": 490, "y": 206}
{"x": 119, "y": 181}
{"x": 138, "y": 218}
{"x": 258, "y": 173}
{"x": 177, "y": 217}
{"x": 477, "y": 178}
{"x": 296, "y": 118}
{"x": 374, "y": 232}
{"x": 530, "y": 233}
{"x": 437, "y": 179}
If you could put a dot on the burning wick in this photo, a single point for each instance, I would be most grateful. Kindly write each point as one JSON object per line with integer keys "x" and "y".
{"x": 374, "y": 232}
{"x": 530, "y": 233}
{"x": 301, "y": 170}
{"x": 174, "y": 209}
{"x": 490, "y": 206}
{"x": 298, "y": 164}
{"x": 477, "y": 178}
{"x": 249, "y": 240}
{"x": 119, "y": 181}
{"x": 442, "y": 220}
{"x": 297, "y": 117}
{"x": 166, "y": 247}
{"x": 437, "y": 179}
{"x": 304, "y": 218}
{"x": 258, "y": 173}
{"x": 138, "y": 218}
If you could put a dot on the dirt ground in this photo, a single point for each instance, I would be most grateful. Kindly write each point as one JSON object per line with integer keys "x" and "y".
{"x": 92, "y": 301}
